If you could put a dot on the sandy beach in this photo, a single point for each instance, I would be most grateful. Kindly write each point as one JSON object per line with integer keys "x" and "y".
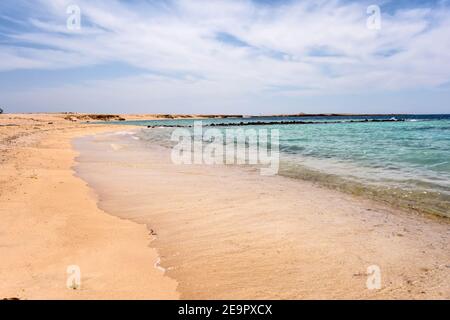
{"x": 140, "y": 227}
{"x": 50, "y": 221}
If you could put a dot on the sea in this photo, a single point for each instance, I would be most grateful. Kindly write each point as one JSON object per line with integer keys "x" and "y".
{"x": 404, "y": 163}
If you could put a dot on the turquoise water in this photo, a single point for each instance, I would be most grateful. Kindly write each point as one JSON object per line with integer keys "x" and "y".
{"x": 406, "y": 164}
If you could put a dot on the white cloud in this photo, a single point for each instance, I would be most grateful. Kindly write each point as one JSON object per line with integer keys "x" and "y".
{"x": 299, "y": 48}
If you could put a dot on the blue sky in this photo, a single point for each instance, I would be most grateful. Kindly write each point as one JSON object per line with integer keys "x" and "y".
{"x": 236, "y": 56}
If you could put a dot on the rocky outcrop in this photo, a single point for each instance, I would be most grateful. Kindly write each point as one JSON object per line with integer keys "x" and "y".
{"x": 94, "y": 117}
{"x": 265, "y": 123}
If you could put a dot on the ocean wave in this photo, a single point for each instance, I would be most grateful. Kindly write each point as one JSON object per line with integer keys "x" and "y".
{"x": 123, "y": 133}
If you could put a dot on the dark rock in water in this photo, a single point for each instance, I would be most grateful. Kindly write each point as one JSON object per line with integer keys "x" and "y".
{"x": 95, "y": 117}
{"x": 282, "y": 122}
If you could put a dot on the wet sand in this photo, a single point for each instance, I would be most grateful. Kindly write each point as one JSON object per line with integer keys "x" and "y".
{"x": 229, "y": 233}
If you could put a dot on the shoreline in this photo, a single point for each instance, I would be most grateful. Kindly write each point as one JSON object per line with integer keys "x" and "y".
{"x": 51, "y": 221}
{"x": 78, "y": 117}
{"x": 300, "y": 241}
{"x": 235, "y": 235}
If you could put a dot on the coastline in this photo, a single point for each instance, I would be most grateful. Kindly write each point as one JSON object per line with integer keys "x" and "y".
{"x": 50, "y": 221}
{"x": 138, "y": 228}
{"x": 237, "y": 235}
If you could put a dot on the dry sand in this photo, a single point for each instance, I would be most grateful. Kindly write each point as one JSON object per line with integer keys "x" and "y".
{"x": 50, "y": 220}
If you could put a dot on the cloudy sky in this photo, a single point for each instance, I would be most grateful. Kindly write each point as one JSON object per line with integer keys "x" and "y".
{"x": 245, "y": 56}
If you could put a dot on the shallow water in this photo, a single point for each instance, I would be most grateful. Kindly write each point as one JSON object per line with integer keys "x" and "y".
{"x": 406, "y": 164}
{"x": 226, "y": 232}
